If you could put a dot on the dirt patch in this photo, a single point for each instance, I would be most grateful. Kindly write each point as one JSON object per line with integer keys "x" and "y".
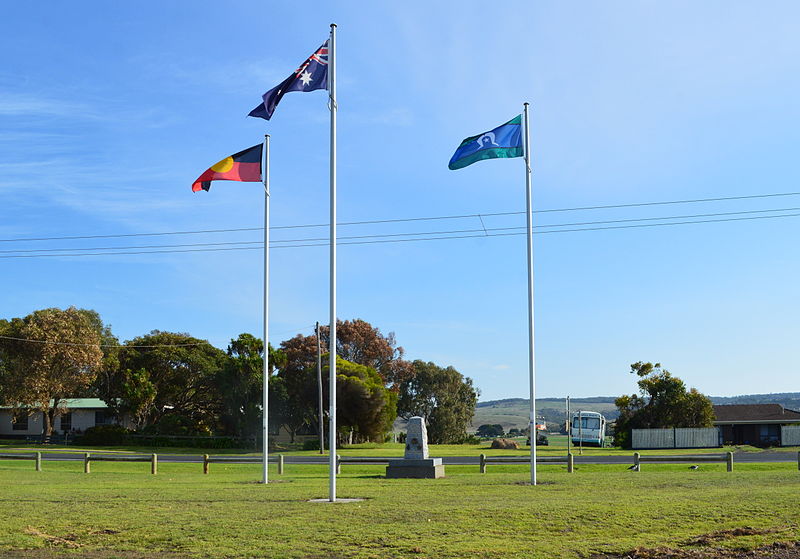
{"x": 103, "y": 532}
{"x": 779, "y": 550}
{"x": 708, "y": 539}
{"x": 67, "y": 540}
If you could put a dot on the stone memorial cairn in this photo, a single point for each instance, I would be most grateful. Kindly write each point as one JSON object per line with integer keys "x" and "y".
{"x": 415, "y": 463}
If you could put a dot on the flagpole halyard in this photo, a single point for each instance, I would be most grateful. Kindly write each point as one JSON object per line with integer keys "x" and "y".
{"x": 332, "y": 339}
{"x": 265, "y": 386}
{"x": 531, "y": 355}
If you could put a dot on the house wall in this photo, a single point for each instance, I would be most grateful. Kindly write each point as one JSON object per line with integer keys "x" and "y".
{"x": 82, "y": 419}
{"x": 7, "y": 428}
{"x": 756, "y": 434}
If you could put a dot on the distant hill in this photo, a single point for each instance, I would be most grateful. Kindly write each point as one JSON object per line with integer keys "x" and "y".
{"x": 513, "y": 412}
{"x": 786, "y": 399}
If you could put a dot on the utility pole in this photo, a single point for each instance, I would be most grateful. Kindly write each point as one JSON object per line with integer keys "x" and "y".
{"x": 319, "y": 389}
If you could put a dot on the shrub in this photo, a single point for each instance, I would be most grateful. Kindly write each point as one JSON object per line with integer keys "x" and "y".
{"x": 467, "y": 439}
{"x": 105, "y": 435}
{"x": 311, "y": 444}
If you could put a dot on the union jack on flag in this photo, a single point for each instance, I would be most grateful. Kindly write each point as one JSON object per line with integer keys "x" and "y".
{"x": 310, "y": 75}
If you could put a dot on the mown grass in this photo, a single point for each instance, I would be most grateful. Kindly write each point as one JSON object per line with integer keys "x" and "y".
{"x": 120, "y": 508}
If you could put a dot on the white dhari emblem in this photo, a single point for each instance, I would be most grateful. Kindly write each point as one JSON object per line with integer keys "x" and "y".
{"x": 487, "y": 139}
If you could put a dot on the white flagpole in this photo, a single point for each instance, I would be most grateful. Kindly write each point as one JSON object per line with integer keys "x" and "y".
{"x": 531, "y": 360}
{"x": 332, "y": 342}
{"x": 265, "y": 387}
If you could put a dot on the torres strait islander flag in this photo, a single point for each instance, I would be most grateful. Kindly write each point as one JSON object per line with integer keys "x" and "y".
{"x": 312, "y": 74}
{"x": 504, "y": 141}
{"x": 244, "y": 166}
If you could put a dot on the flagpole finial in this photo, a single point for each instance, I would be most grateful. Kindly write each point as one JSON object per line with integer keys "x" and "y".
{"x": 526, "y": 103}
{"x": 333, "y": 25}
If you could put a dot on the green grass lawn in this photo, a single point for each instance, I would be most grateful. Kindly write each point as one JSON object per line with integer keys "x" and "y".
{"x": 120, "y": 510}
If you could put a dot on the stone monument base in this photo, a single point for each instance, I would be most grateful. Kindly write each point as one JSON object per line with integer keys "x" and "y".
{"x": 421, "y": 468}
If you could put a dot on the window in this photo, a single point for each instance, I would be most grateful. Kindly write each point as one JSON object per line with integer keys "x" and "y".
{"x": 20, "y": 421}
{"x": 66, "y": 421}
{"x": 103, "y": 418}
{"x": 588, "y": 423}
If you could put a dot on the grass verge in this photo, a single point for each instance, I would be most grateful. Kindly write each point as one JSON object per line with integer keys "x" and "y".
{"x": 119, "y": 510}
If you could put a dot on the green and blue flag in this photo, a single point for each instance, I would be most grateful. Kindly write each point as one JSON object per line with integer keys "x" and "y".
{"x": 502, "y": 142}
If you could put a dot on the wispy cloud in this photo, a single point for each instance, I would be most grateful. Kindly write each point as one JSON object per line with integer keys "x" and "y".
{"x": 25, "y": 105}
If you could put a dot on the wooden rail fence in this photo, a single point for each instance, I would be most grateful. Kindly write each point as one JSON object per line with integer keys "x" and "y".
{"x": 727, "y": 457}
{"x": 35, "y": 456}
{"x": 568, "y": 460}
{"x": 88, "y": 458}
{"x": 279, "y": 459}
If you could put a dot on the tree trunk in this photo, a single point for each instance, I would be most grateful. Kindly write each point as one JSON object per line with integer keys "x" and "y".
{"x": 47, "y": 423}
{"x": 50, "y": 418}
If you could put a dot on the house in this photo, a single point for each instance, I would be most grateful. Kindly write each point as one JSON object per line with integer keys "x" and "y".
{"x": 81, "y": 414}
{"x": 754, "y": 424}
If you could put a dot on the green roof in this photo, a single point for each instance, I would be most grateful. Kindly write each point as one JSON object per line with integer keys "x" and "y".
{"x": 77, "y": 403}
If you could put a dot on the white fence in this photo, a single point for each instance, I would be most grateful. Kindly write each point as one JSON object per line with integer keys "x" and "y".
{"x": 790, "y": 435}
{"x": 706, "y": 437}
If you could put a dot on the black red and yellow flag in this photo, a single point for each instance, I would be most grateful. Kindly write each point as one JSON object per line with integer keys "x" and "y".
{"x": 244, "y": 166}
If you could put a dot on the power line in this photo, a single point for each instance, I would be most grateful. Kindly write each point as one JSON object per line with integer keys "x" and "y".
{"x": 275, "y": 243}
{"x": 482, "y": 234}
{"x": 406, "y": 220}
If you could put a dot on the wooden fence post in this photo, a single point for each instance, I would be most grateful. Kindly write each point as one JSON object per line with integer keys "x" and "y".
{"x": 338, "y": 464}
{"x": 570, "y": 463}
{"x": 205, "y": 463}
{"x": 798, "y": 460}
{"x": 483, "y": 463}
{"x": 730, "y": 461}
{"x": 38, "y": 461}
{"x": 636, "y": 462}
{"x": 280, "y": 464}
{"x": 86, "y": 467}
{"x": 154, "y": 464}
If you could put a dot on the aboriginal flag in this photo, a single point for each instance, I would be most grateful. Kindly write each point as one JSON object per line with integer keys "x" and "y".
{"x": 244, "y": 166}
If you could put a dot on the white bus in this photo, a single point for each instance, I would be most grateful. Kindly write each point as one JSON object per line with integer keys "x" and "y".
{"x": 589, "y": 428}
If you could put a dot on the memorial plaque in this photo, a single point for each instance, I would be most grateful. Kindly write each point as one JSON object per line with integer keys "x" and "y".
{"x": 416, "y": 463}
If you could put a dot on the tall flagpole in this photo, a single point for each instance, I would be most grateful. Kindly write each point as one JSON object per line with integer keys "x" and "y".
{"x": 319, "y": 390}
{"x": 265, "y": 387}
{"x": 332, "y": 342}
{"x": 531, "y": 360}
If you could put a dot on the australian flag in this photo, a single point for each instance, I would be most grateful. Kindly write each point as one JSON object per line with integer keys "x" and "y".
{"x": 312, "y": 74}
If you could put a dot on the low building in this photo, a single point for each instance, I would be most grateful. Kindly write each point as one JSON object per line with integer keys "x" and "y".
{"x": 754, "y": 424}
{"x": 81, "y": 414}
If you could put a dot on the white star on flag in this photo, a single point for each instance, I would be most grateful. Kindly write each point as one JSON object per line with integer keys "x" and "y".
{"x": 305, "y": 77}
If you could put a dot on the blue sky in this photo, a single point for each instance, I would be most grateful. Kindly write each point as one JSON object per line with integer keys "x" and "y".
{"x": 109, "y": 111}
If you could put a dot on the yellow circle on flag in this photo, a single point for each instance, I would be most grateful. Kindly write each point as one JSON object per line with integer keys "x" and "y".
{"x": 223, "y": 166}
